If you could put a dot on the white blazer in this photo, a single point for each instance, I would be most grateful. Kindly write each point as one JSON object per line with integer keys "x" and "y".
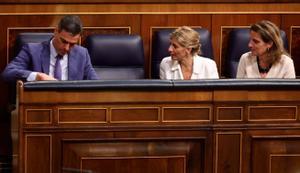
{"x": 248, "y": 68}
{"x": 203, "y": 68}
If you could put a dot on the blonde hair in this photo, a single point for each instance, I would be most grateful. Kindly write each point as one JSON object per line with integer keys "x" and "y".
{"x": 188, "y": 38}
{"x": 269, "y": 32}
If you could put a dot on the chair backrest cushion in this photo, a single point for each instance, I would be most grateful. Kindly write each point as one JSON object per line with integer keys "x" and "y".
{"x": 161, "y": 43}
{"x": 31, "y": 37}
{"x": 117, "y": 56}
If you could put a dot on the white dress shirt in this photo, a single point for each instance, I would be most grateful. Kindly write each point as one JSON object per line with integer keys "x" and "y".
{"x": 203, "y": 68}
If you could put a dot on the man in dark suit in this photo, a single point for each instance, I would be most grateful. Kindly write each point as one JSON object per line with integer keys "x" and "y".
{"x": 37, "y": 61}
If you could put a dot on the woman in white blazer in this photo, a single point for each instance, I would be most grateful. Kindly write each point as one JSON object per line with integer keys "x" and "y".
{"x": 184, "y": 62}
{"x": 267, "y": 58}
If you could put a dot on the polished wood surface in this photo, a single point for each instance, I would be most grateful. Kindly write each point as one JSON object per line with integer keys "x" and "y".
{"x": 141, "y": 129}
{"x": 143, "y": 1}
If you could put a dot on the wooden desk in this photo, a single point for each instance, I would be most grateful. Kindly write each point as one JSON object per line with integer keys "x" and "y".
{"x": 230, "y": 126}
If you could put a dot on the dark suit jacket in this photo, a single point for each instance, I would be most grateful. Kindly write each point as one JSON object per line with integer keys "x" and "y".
{"x": 35, "y": 57}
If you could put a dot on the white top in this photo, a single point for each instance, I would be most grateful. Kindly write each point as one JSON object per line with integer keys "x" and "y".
{"x": 248, "y": 68}
{"x": 203, "y": 68}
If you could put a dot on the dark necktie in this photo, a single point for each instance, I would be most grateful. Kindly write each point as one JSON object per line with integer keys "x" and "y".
{"x": 57, "y": 67}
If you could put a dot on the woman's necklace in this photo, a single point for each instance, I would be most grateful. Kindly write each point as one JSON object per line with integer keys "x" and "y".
{"x": 263, "y": 69}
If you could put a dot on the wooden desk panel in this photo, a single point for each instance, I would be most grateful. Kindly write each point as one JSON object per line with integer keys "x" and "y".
{"x": 185, "y": 129}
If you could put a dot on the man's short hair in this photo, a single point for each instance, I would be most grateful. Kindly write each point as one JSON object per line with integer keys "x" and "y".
{"x": 71, "y": 24}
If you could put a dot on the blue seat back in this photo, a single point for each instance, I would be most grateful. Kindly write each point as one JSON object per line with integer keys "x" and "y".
{"x": 31, "y": 37}
{"x": 117, "y": 57}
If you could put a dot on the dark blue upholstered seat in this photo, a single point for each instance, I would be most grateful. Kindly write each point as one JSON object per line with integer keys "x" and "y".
{"x": 117, "y": 57}
{"x": 237, "y": 45}
{"x": 30, "y": 37}
{"x": 161, "y": 43}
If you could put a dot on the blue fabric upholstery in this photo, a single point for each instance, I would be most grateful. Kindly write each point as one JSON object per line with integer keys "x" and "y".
{"x": 117, "y": 56}
{"x": 30, "y": 37}
{"x": 161, "y": 43}
{"x": 237, "y": 45}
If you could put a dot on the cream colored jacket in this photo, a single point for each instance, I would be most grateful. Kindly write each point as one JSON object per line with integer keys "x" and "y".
{"x": 203, "y": 68}
{"x": 248, "y": 68}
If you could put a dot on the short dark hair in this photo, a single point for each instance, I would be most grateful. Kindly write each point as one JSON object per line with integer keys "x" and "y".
{"x": 71, "y": 24}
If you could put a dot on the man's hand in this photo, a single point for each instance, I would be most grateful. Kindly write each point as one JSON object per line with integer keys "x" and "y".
{"x": 43, "y": 76}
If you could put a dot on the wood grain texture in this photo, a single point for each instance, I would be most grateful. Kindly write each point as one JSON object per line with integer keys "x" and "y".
{"x": 212, "y": 131}
{"x": 141, "y": 1}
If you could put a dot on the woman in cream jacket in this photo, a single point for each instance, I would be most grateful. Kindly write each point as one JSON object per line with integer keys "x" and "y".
{"x": 267, "y": 58}
{"x": 183, "y": 62}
